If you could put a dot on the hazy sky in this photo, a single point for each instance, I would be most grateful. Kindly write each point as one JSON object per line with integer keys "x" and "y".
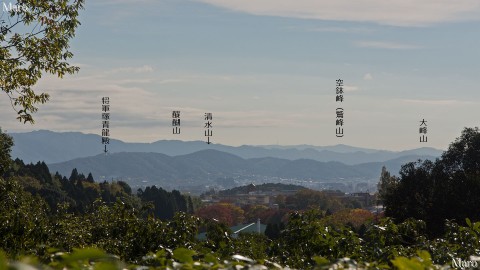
{"x": 266, "y": 69}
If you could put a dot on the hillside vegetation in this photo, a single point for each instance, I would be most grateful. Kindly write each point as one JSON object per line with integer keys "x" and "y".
{"x": 77, "y": 223}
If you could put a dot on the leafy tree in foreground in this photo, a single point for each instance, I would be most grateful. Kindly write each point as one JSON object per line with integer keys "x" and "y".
{"x": 34, "y": 39}
{"x": 23, "y": 219}
{"x": 445, "y": 189}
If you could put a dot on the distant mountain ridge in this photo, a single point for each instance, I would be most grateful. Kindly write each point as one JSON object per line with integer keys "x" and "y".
{"x": 206, "y": 167}
{"x": 55, "y": 147}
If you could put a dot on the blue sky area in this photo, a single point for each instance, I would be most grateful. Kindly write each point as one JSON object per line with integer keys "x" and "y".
{"x": 266, "y": 69}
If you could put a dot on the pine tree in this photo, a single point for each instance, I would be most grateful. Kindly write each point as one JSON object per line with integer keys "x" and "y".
{"x": 90, "y": 178}
{"x": 73, "y": 175}
{"x": 386, "y": 183}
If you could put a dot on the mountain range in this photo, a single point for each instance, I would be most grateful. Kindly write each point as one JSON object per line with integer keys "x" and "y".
{"x": 206, "y": 167}
{"x": 195, "y": 165}
{"x": 54, "y": 147}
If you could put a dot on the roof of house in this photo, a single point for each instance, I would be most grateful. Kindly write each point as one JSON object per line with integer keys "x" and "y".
{"x": 248, "y": 228}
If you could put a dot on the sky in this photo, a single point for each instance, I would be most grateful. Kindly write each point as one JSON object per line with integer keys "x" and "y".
{"x": 267, "y": 71}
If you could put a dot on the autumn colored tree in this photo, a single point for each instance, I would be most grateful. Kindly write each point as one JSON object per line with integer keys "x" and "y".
{"x": 223, "y": 212}
{"x": 351, "y": 217}
{"x": 253, "y": 212}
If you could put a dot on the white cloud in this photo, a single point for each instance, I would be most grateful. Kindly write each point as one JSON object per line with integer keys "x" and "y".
{"x": 81, "y": 65}
{"x": 216, "y": 98}
{"x": 393, "y": 12}
{"x": 142, "y": 69}
{"x": 368, "y": 77}
{"x": 350, "y": 88}
{"x": 333, "y": 29}
{"x": 386, "y": 45}
{"x": 168, "y": 81}
{"x": 260, "y": 119}
{"x": 437, "y": 102}
{"x": 117, "y": 2}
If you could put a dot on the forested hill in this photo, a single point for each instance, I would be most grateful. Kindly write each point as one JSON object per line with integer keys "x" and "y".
{"x": 207, "y": 166}
{"x": 264, "y": 188}
{"x": 78, "y": 193}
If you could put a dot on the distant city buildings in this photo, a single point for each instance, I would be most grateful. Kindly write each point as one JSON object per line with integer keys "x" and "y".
{"x": 270, "y": 198}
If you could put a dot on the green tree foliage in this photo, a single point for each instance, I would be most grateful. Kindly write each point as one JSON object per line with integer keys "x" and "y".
{"x": 306, "y": 242}
{"x": 305, "y": 236}
{"x": 413, "y": 195}
{"x": 219, "y": 237}
{"x": 118, "y": 235}
{"x": 39, "y": 171}
{"x": 23, "y": 219}
{"x": 78, "y": 192}
{"x": 91, "y": 180}
{"x": 307, "y": 199}
{"x": 165, "y": 204}
{"x": 273, "y": 230}
{"x": 6, "y": 144}
{"x": 74, "y": 176}
{"x": 252, "y": 245}
{"x": 385, "y": 184}
{"x": 34, "y": 39}
{"x": 445, "y": 189}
